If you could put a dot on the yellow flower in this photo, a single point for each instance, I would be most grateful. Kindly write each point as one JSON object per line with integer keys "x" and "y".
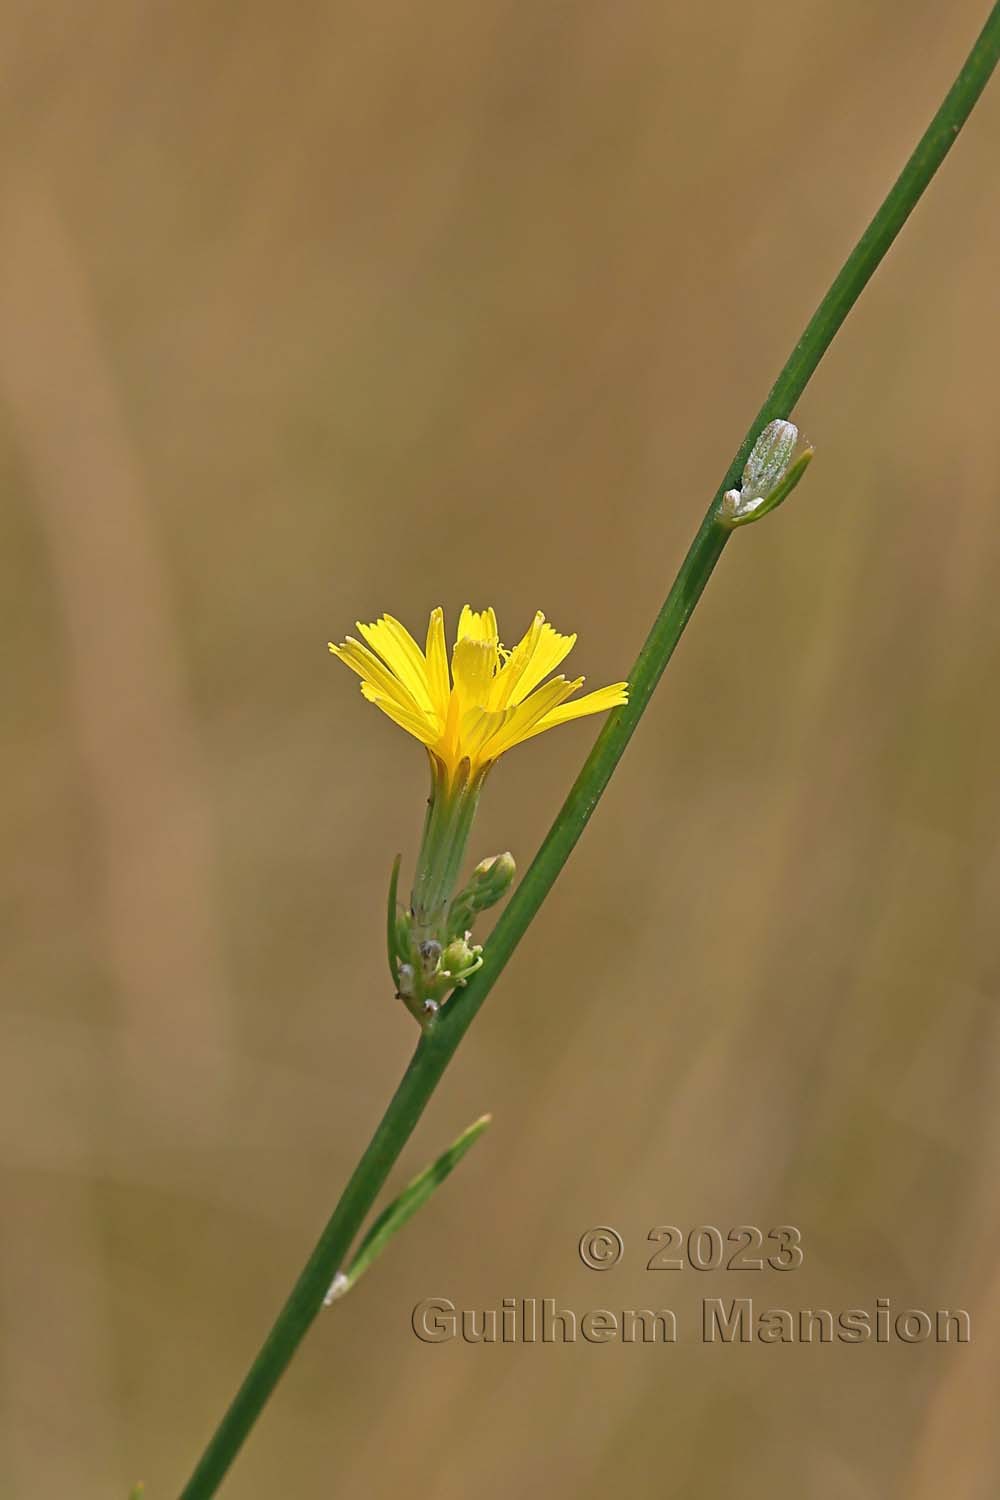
{"x": 492, "y": 699}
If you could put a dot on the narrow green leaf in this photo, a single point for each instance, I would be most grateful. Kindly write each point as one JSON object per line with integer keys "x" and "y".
{"x": 391, "y": 1220}
{"x": 392, "y": 924}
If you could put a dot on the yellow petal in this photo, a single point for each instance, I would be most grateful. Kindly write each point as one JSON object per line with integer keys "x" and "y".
{"x": 510, "y": 673}
{"x": 421, "y": 729}
{"x": 476, "y": 625}
{"x": 438, "y": 680}
{"x": 473, "y": 664}
{"x": 476, "y": 730}
{"x": 596, "y": 702}
{"x": 402, "y": 655}
{"x": 521, "y": 724}
{"x": 550, "y": 649}
{"x": 370, "y": 669}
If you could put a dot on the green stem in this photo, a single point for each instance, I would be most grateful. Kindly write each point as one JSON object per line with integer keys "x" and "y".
{"x": 435, "y": 1048}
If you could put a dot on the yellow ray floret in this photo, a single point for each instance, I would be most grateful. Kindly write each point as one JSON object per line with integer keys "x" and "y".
{"x": 491, "y": 699}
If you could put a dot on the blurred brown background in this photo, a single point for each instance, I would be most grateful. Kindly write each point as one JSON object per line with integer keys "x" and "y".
{"x": 311, "y": 312}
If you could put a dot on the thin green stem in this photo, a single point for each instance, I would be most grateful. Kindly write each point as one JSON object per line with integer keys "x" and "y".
{"x": 435, "y": 1048}
{"x": 306, "y": 1298}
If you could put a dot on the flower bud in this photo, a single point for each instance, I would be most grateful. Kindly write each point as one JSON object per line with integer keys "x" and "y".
{"x": 769, "y": 475}
{"x": 491, "y": 879}
{"x": 458, "y": 955}
{"x": 460, "y": 959}
{"x": 769, "y": 459}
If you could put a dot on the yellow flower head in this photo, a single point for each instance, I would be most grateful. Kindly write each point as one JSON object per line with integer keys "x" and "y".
{"x": 491, "y": 700}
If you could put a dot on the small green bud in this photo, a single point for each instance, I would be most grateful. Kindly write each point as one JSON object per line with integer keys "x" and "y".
{"x": 460, "y": 959}
{"x": 492, "y": 878}
{"x": 458, "y": 955}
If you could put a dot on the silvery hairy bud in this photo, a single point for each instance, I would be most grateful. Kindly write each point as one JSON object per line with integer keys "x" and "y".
{"x": 770, "y": 474}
